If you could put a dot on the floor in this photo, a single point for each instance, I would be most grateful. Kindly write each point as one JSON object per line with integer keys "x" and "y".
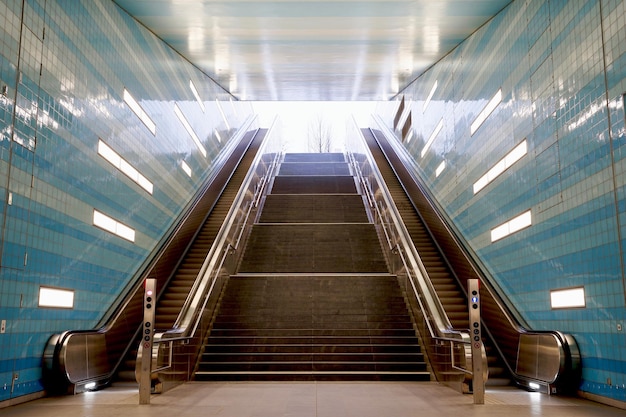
{"x": 310, "y": 399}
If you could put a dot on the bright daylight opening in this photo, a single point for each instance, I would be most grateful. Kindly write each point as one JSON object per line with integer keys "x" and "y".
{"x": 314, "y": 126}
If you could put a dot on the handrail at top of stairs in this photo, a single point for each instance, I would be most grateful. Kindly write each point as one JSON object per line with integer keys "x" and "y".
{"x": 437, "y": 325}
{"x": 170, "y": 345}
{"x": 77, "y": 360}
{"x": 541, "y": 360}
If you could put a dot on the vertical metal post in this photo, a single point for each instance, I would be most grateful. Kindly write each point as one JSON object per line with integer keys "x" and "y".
{"x": 478, "y": 382}
{"x": 145, "y": 383}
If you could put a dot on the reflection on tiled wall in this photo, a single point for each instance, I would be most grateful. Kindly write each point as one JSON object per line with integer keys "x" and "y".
{"x": 88, "y": 188}
{"x": 550, "y": 152}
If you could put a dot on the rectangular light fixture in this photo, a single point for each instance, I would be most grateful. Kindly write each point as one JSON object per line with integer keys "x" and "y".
{"x": 486, "y": 111}
{"x": 196, "y": 95}
{"x": 405, "y": 114}
{"x": 514, "y": 225}
{"x": 56, "y": 297}
{"x": 432, "y": 137}
{"x": 189, "y": 130}
{"x": 139, "y": 111}
{"x": 217, "y": 134}
{"x": 568, "y": 298}
{"x": 120, "y": 163}
{"x": 219, "y": 106}
{"x": 440, "y": 169}
{"x": 186, "y": 168}
{"x": 430, "y": 96}
{"x": 502, "y": 165}
{"x": 111, "y": 225}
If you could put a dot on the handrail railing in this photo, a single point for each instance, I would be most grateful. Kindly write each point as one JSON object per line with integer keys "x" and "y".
{"x": 539, "y": 360}
{"x": 174, "y": 351}
{"x": 435, "y": 327}
{"x": 75, "y": 359}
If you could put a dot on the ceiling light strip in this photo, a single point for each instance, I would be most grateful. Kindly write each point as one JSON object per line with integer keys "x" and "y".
{"x": 189, "y": 130}
{"x": 139, "y": 111}
{"x": 121, "y": 164}
{"x": 486, "y": 111}
{"x": 502, "y": 165}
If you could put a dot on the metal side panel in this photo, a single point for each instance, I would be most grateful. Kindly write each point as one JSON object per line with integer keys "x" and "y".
{"x": 539, "y": 357}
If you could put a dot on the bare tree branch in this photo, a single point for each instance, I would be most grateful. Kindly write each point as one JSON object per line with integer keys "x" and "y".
{"x": 320, "y": 134}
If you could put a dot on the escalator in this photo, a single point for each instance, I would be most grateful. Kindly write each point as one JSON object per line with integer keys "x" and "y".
{"x": 87, "y": 359}
{"x": 538, "y": 360}
{"x": 176, "y": 290}
{"x": 446, "y": 284}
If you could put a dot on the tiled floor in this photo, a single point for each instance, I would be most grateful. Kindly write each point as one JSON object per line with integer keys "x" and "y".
{"x": 322, "y": 399}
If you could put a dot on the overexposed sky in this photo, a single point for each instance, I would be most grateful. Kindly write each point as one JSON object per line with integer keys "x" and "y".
{"x": 297, "y": 115}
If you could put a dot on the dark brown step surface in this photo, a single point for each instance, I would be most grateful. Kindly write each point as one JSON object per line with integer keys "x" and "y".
{"x": 314, "y": 157}
{"x": 310, "y": 327}
{"x": 313, "y": 248}
{"x": 314, "y": 168}
{"x": 313, "y": 208}
{"x": 314, "y": 184}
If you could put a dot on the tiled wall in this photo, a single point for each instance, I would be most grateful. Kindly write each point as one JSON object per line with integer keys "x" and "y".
{"x": 64, "y": 65}
{"x": 561, "y": 67}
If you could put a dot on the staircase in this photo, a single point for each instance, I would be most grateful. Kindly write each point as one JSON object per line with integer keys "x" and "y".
{"x": 313, "y": 298}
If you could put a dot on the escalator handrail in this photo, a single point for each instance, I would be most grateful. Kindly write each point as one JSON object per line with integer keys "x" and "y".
{"x": 57, "y": 364}
{"x": 433, "y": 307}
{"x": 566, "y": 343}
{"x": 437, "y": 322}
{"x": 222, "y": 245}
{"x": 227, "y": 242}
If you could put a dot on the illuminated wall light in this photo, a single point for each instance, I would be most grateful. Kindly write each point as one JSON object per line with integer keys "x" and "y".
{"x": 410, "y": 136}
{"x": 118, "y": 162}
{"x": 486, "y": 111}
{"x": 186, "y": 168}
{"x": 430, "y": 96}
{"x": 568, "y": 298}
{"x": 217, "y": 134}
{"x": 440, "y": 169}
{"x": 189, "y": 130}
{"x": 56, "y": 297}
{"x": 405, "y": 113}
{"x": 512, "y": 226}
{"x": 111, "y": 225}
{"x": 138, "y": 110}
{"x": 219, "y": 106}
{"x": 502, "y": 165}
{"x": 432, "y": 137}
{"x": 196, "y": 95}
{"x": 232, "y": 104}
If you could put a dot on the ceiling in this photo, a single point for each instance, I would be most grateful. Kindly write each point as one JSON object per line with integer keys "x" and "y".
{"x": 313, "y": 50}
